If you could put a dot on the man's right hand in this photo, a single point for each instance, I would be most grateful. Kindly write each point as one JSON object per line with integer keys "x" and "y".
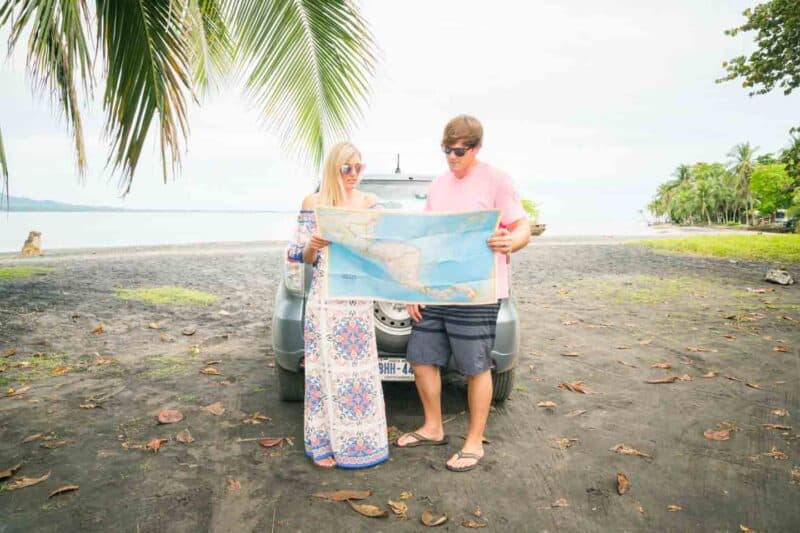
{"x": 414, "y": 311}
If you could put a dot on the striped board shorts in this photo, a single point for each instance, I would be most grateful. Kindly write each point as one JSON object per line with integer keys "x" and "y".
{"x": 465, "y": 331}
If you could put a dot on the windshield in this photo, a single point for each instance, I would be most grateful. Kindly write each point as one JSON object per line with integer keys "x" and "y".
{"x": 398, "y": 194}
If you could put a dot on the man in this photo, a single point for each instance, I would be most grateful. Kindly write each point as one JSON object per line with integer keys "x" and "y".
{"x": 465, "y": 331}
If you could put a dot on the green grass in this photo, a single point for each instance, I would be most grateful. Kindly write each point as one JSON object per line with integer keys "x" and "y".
{"x": 756, "y": 247}
{"x": 167, "y": 295}
{"x": 40, "y": 367}
{"x": 166, "y": 366}
{"x": 651, "y": 290}
{"x": 12, "y": 273}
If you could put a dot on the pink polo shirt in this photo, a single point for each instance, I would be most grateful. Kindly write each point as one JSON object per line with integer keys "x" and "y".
{"x": 485, "y": 187}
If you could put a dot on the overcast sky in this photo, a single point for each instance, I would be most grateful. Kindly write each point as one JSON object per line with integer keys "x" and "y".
{"x": 588, "y": 105}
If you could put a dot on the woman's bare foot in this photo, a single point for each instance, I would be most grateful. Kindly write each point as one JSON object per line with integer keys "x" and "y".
{"x": 328, "y": 462}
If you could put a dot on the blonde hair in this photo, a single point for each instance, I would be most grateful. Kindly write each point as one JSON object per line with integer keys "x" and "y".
{"x": 330, "y": 192}
{"x": 463, "y": 128}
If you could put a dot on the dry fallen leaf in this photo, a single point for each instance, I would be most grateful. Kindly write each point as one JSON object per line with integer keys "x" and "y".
{"x": 777, "y": 426}
{"x": 576, "y": 386}
{"x": 431, "y": 519}
{"x": 795, "y": 473}
{"x": 562, "y": 443}
{"x": 477, "y": 511}
{"x": 775, "y": 453}
{"x": 156, "y": 444}
{"x": 547, "y": 404}
{"x": 166, "y": 338}
{"x": 646, "y": 342}
{"x": 561, "y": 502}
{"x": 154, "y": 325}
{"x": 169, "y": 416}
{"x": 371, "y": 511}
{"x": 62, "y": 490}
{"x": 665, "y": 366}
{"x": 471, "y": 523}
{"x": 623, "y": 347}
{"x": 640, "y": 509}
{"x": 745, "y": 529}
{"x": 709, "y": 374}
{"x": 780, "y": 412}
{"x": 672, "y": 508}
{"x": 8, "y": 472}
{"x": 184, "y": 436}
{"x": 623, "y": 484}
{"x": 783, "y": 349}
{"x": 22, "y": 482}
{"x": 569, "y": 322}
{"x": 98, "y": 329}
{"x": 270, "y": 443}
{"x": 256, "y": 418}
{"x": 215, "y": 408}
{"x": 210, "y": 371}
{"x": 398, "y": 508}
{"x": 17, "y": 392}
{"x": 622, "y": 449}
{"x": 234, "y": 485}
{"x": 32, "y": 438}
{"x": 342, "y": 495}
{"x": 753, "y": 385}
{"x": 576, "y": 412}
{"x": 224, "y": 312}
{"x": 102, "y": 361}
{"x": 729, "y": 336}
{"x": 9, "y": 352}
{"x": 685, "y": 377}
{"x": 194, "y": 349}
{"x": 53, "y": 444}
{"x": 406, "y": 495}
{"x": 570, "y": 354}
{"x": 722, "y": 434}
{"x": 697, "y": 349}
{"x": 213, "y": 362}
{"x": 667, "y": 379}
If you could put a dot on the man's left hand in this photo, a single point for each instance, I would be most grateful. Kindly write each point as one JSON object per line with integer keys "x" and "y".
{"x": 500, "y": 242}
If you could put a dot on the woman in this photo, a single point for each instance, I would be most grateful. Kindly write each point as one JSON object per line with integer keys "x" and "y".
{"x": 345, "y": 419}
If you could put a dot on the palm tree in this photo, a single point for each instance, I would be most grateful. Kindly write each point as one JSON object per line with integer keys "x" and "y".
{"x": 740, "y": 163}
{"x": 306, "y": 63}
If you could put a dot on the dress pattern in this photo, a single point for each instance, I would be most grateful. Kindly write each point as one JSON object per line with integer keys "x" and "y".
{"x": 345, "y": 417}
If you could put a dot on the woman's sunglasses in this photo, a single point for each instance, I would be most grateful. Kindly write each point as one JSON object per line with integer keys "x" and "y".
{"x": 348, "y": 169}
{"x": 458, "y": 151}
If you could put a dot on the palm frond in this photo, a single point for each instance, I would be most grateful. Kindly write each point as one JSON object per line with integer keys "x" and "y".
{"x": 212, "y": 47}
{"x": 4, "y": 195}
{"x": 58, "y": 54}
{"x": 309, "y": 65}
{"x": 149, "y": 70}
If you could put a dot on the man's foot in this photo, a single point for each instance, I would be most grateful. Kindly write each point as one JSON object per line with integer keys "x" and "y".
{"x": 328, "y": 462}
{"x": 418, "y": 438}
{"x": 463, "y": 461}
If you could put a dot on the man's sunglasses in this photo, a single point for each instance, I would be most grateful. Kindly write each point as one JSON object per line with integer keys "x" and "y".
{"x": 458, "y": 151}
{"x": 348, "y": 169}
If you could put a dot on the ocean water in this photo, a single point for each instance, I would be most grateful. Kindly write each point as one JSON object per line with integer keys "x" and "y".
{"x": 119, "y": 229}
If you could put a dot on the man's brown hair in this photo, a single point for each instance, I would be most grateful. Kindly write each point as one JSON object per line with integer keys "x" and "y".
{"x": 463, "y": 128}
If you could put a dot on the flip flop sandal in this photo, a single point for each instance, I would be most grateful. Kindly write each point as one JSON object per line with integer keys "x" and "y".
{"x": 421, "y": 441}
{"x": 465, "y": 455}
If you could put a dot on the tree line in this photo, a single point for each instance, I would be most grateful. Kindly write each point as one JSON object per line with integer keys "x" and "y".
{"x": 745, "y": 188}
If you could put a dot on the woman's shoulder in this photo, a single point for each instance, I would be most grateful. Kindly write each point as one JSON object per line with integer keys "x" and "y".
{"x": 310, "y": 201}
{"x": 371, "y": 199}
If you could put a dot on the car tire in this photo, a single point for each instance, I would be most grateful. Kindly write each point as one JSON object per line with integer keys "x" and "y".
{"x": 502, "y": 384}
{"x": 291, "y": 385}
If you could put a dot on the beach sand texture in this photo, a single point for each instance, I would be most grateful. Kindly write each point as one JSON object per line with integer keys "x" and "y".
{"x": 616, "y": 309}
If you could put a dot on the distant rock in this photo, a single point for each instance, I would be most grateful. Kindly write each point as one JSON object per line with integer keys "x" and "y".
{"x": 781, "y": 277}
{"x": 33, "y": 244}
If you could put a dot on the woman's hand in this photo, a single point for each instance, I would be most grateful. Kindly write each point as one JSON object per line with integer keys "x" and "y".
{"x": 414, "y": 311}
{"x": 500, "y": 241}
{"x": 317, "y": 243}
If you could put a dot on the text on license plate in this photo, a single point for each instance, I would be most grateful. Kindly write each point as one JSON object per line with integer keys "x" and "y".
{"x": 395, "y": 369}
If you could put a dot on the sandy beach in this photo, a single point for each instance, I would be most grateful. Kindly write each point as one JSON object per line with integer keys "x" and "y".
{"x": 730, "y": 340}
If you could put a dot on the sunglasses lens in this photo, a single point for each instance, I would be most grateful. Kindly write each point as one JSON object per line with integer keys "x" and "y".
{"x": 346, "y": 169}
{"x": 459, "y": 152}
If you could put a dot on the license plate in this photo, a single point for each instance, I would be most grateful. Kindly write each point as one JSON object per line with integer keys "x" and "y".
{"x": 395, "y": 369}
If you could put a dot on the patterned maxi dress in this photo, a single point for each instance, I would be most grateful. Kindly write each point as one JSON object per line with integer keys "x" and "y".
{"x": 344, "y": 411}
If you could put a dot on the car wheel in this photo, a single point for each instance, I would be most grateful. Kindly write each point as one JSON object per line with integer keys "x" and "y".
{"x": 291, "y": 385}
{"x": 502, "y": 384}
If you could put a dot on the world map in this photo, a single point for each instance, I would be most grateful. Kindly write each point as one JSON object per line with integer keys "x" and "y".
{"x": 437, "y": 258}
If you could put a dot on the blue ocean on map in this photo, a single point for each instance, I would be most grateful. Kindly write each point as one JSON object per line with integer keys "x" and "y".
{"x": 428, "y": 258}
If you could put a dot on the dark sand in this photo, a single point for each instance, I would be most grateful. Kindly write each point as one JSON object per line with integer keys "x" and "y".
{"x": 622, "y": 308}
